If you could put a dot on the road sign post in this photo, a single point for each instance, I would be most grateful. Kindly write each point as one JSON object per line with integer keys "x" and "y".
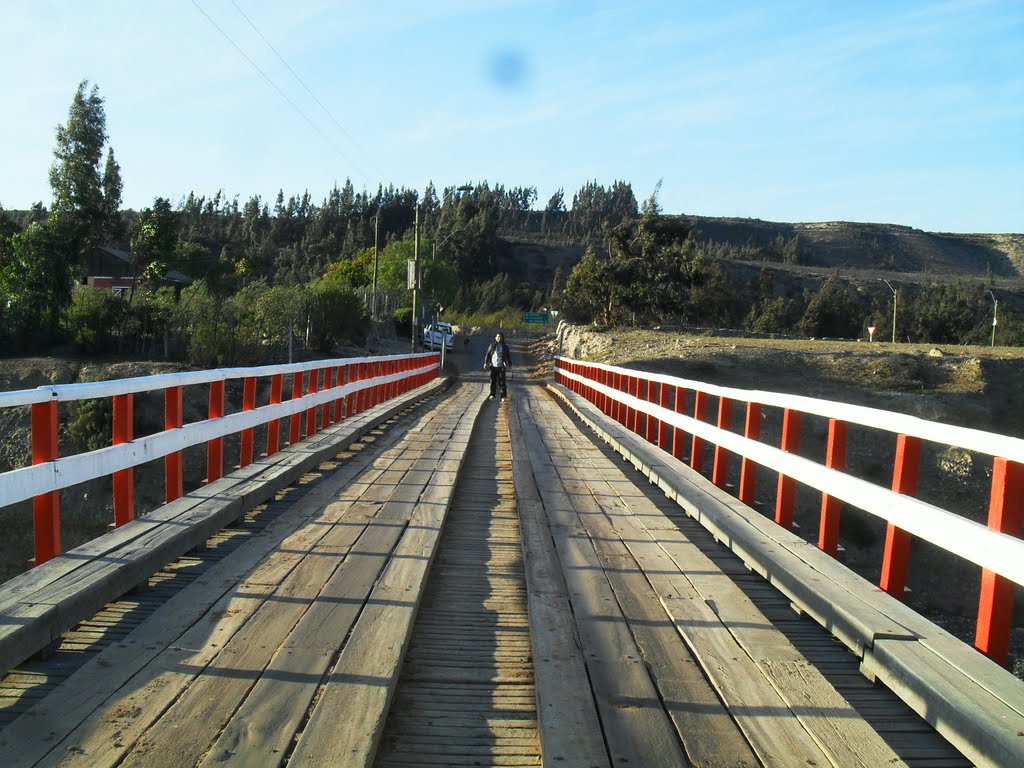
{"x": 539, "y": 318}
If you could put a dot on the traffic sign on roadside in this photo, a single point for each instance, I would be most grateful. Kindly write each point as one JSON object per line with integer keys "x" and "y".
{"x": 536, "y": 317}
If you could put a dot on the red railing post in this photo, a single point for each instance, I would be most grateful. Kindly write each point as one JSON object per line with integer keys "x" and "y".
{"x": 606, "y": 400}
{"x": 897, "y": 541}
{"x": 173, "y": 483}
{"x": 350, "y": 400}
{"x": 626, "y": 386}
{"x": 124, "y": 480}
{"x": 678, "y": 436}
{"x": 274, "y": 426}
{"x": 748, "y": 469}
{"x": 381, "y": 389}
{"x": 785, "y": 494}
{"x": 294, "y": 434}
{"x": 338, "y": 381}
{"x": 700, "y": 411}
{"x": 637, "y": 383}
{"x": 835, "y": 458}
{"x": 311, "y": 387}
{"x": 651, "y": 430}
{"x": 643, "y": 392}
{"x": 215, "y": 447}
{"x": 248, "y": 404}
{"x": 720, "y": 467}
{"x": 325, "y": 412}
{"x": 45, "y": 506}
{"x": 995, "y": 603}
{"x": 663, "y": 427}
{"x": 617, "y": 409}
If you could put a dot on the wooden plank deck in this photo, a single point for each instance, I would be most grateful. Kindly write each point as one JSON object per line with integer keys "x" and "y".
{"x": 733, "y": 686}
{"x": 394, "y": 616}
{"x": 466, "y": 691}
{"x": 236, "y": 683}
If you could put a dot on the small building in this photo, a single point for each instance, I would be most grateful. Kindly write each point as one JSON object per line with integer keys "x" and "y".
{"x": 115, "y": 270}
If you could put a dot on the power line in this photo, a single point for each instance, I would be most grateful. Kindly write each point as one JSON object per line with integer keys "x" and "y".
{"x": 273, "y": 85}
{"x": 302, "y": 82}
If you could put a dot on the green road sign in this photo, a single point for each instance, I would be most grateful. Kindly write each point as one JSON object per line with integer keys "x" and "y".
{"x": 536, "y": 317}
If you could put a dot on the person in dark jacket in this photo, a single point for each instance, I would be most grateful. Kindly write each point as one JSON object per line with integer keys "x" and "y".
{"x": 497, "y": 360}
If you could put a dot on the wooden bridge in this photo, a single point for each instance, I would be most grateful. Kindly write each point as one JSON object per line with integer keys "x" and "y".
{"x": 436, "y": 578}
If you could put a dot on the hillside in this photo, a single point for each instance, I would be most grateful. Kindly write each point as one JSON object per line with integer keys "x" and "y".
{"x": 878, "y": 250}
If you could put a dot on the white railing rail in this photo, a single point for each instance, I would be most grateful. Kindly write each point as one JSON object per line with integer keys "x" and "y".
{"x": 641, "y": 401}
{"x": 339, "y": 388}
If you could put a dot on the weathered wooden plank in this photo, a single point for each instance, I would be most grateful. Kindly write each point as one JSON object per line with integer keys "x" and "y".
{"x": 50, "y": 723}
{"x": 985, "y": 729}
{"x": 264, "y": 724}
{"x": 636, "y": 727}
{"x": 103, "y": 569}
{"x": 351, "y": 709}
{"x": 349, "y": 714}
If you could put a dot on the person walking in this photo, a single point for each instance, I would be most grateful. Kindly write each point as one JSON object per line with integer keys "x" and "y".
{"x": 497, "y": 360}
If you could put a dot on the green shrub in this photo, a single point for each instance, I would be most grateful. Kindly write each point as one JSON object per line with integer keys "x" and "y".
{"x": 93, "y": 319}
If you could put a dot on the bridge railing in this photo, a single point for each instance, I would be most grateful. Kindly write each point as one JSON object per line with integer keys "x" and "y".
{"x": 654, "y": 406}
{"x": 339, "y": 388}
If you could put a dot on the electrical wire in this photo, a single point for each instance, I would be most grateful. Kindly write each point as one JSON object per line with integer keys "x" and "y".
{"x": 274, "y": 85}
{"x": 302, "y": 82}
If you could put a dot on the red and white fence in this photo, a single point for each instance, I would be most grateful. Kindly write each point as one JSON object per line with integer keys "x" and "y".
{"x": 654, "y": 405}
{"x": 340, "y": 388}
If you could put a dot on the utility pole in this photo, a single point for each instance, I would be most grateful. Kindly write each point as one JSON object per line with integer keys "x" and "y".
{"x": 376, "y": 262}
{"x": 995, "y": 309}
{"x": 895, "y": 296}
{"x": 416, "y": 280}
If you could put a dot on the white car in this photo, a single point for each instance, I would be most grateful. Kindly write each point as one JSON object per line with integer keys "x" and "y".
{"x": 436, "y": 334}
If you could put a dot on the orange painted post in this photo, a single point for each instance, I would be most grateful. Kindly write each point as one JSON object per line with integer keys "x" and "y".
{"x": 616, "y": 407}
{"x": 748, "y": 469}
{"x": 785, "y": 493}
{"x": 720, "y": 467}
{"x": 371, "y": 392}
{"x": 294, "y": 434}
{"x": 835, "y": 458}
{"x": 173, "y": 483}
{"x": 363, "y": 397}
{"x": 350, "y": 398}
{"x": 124, "y": 480}
{"x": 311, "y": 389}
{"x": 995, "y": 604}
{"x": 700, "y": 412}
{"x": 678, "y": 436}
{"x": 627, "y": 389}
{"x": 215, "y": 447}
{"x": 325, "y": 413}
{"x": 651, "y": 431}
{"x": 638, "y": 415}
{"x": 897, "y": 541}
{"x": 338, "y": 381}
{"x": 663, "y": 428}
{"x": 643, "y": 392}
{"x": 274, "y": 426}
{"x": 248, "y": 404}
{"x": 45, "y": 506}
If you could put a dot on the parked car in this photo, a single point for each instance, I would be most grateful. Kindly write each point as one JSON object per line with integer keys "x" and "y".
{"x": 436, "y": 334}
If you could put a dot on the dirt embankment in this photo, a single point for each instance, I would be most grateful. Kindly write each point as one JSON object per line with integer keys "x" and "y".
{"x": 976, "y": 387}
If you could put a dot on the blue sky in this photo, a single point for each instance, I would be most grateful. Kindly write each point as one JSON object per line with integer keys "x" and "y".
{"x": 903, "y": 112}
